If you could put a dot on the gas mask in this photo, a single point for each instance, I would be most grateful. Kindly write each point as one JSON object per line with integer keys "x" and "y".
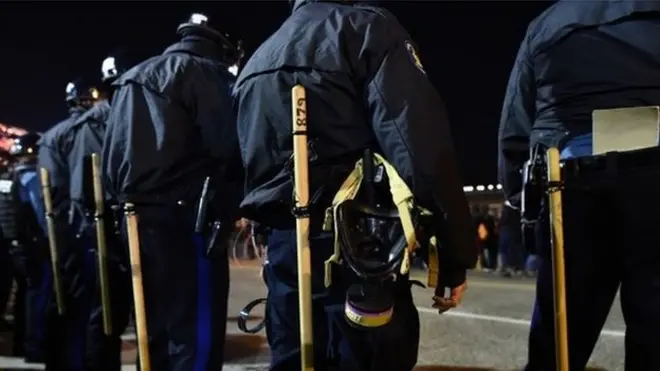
{"x": 374, "y": 247}
{"x": 374, "y": 239}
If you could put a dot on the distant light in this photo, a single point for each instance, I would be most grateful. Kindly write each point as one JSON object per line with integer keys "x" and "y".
{"x": 490, "y": 187}
{"x": 70, "y": 87}
{"x": 499, "y": 186}
{"x": 233, "y": 70}
{"x": 481, "y": 188}
{"x": 198, "y": 18}
{"x": 95, "y": 93}
{"x": 468, "y": 189}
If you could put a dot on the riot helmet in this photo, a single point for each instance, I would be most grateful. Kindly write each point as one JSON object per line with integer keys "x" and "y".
{"x": 296, "y": 3}
{"x": 116, "y": 64}
{"x": 25, "y": 145}
{"x": 200, "y": 25}
{"x": 81, "y": 93}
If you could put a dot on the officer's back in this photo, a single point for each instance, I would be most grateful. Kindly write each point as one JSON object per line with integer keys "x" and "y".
{"x": 54, "y": 147}
{"x": 55, "y": 144}
{"x": 588, "y": 55}
{"x": 88, "y": 132}
{"x": 326, "y": 47}
{"x": 155, "y": 136}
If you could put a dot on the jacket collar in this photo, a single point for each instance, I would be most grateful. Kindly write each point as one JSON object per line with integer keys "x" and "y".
{"x": 199, "y": 46}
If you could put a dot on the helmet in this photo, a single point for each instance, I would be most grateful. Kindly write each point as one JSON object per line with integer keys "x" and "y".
{"x": 25, "y": 145}
{"x": 199, "y": 25}
{"x": 115, "y": 64}
{"x": 78, "y": 91}
{"x": 294, "y": 4}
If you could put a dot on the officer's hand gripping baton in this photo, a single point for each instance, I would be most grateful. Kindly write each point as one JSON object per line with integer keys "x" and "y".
{"x": 301, "y": 177}
{"x": 138, "y": 291}
{"x": 558, "y": 269}
{"x": 99, "y": 222}
{"x": 52, "y": 240}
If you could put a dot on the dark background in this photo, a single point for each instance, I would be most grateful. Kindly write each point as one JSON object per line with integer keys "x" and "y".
{"x": 467, "y": 49}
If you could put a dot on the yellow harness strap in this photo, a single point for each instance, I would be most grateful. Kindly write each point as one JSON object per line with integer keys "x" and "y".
{"x": 402, "y": 198}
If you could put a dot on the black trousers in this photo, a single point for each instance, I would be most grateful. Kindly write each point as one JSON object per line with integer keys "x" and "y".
{"x": 6, "y": 276}
{"x": 103, "y": 352}
{"x": 337, "y": 345}
{"x": 185, "y": 293}
{"x": 75, "y": 341}
{"x": 67, "y": 335}
{"x": 31, "y": 271}
{"x": 611, "y": 241}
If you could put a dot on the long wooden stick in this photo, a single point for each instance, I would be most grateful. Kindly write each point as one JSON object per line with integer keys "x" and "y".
{"x": 301, "y": 176}
{"x": 52, "y": 241}
{"x": 101, "y": 243}
{"x": 558, "y": 267}
{"x": 138, "y": 289}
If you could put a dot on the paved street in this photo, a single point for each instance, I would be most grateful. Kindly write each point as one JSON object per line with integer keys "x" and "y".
{"x": 488, "y": 332}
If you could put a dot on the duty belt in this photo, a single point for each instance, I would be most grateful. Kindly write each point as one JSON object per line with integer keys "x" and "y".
{"x": 612, "y": 161}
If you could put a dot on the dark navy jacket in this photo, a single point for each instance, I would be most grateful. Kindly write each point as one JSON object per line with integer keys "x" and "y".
{"x": 576, "y": 57}
{"x": 87, "y": 132}
{"x": 366, "y": 88}
{"x": 171, "y": 124}
{"x": 54, "y": 154}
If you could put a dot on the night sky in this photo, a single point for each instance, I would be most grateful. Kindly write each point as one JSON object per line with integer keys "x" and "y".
{"x": 467, "y": 49}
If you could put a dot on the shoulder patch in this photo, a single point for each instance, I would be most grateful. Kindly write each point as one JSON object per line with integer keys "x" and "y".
{"x": 414, "y": 57}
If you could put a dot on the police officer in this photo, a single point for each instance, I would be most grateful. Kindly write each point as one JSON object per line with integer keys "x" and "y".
{"x": 21, "y": 212}
{"x": 577, "y": 57}
{"x": 366, "y": 89}
{"x": 103, "y": 352}
{"x": 171, "y": 129}
{"x": 6, "y": 267}
{"x": 66, "y": 342}
{"x": 13, "y": 261}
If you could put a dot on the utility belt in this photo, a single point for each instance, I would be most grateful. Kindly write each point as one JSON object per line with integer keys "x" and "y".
{"x": 576, "y": 173}
{"x": 84, "y": 217}
{"x": 374, "y": 242}
{"x": 202, "y": 215}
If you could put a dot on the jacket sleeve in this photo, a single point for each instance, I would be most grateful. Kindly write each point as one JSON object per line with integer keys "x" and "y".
{"x": 411, "y": 126}
{"x": 516, "y": 124}
{"x": 215, "y": 117}
{"x": 30, "y": 181}
{"x": 216, "y": 120}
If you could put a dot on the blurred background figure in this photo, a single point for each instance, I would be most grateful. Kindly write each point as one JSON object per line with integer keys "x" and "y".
{"x": 21, "y": 217}
{"x": 7, "y": 135}
{"x": 6, "y": 266}
{"x": 486, "y": 236}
